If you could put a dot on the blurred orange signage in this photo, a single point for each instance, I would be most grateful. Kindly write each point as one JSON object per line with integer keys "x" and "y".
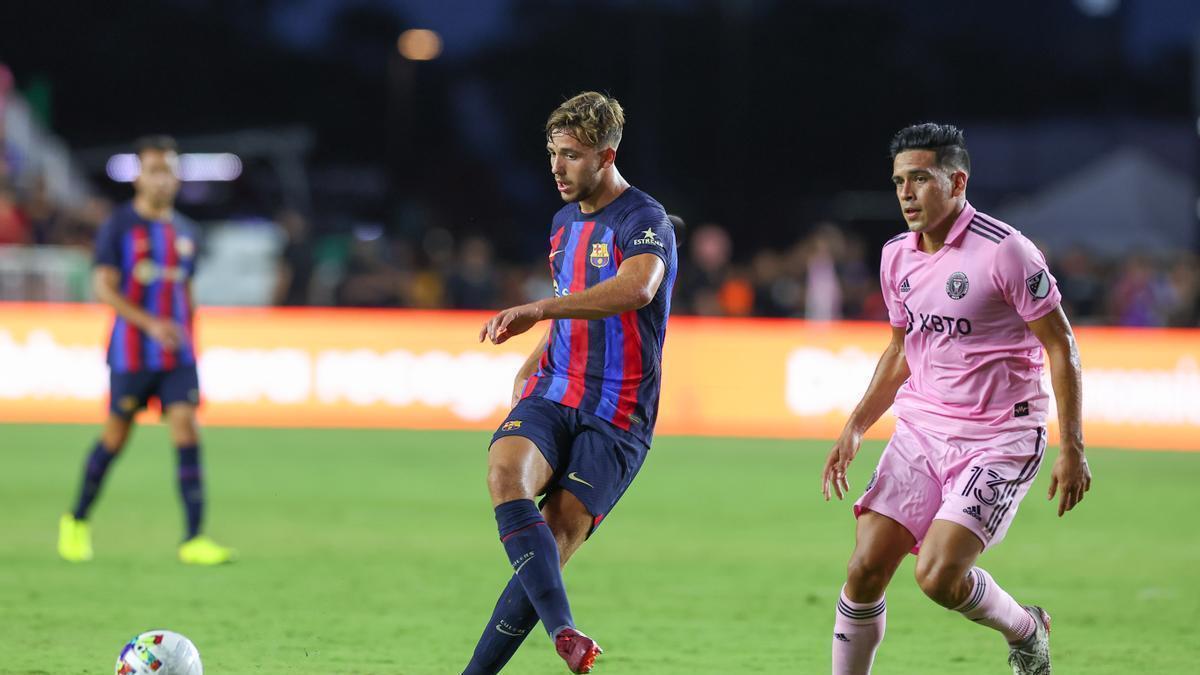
{"x": 413, "y": 369}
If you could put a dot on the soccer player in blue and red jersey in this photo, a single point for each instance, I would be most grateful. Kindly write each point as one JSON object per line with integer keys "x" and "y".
{"x": 585, "y": 401}
{"x": 145, "y": 256}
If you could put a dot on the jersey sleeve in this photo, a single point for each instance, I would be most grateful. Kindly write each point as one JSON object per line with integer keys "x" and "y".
{"x": 897, "y": 316}
{"x": 187, "y": 247}
{"x": 1024, "y": 279}
{"x": 108, "y": 244}
{"x": 646, "y": 230}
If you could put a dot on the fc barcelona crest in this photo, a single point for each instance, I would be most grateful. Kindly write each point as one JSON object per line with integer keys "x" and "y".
{"x": 599, "y": 257}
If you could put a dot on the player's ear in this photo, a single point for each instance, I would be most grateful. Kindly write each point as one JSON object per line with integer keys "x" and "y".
{"x": 958, "y": 181}
{"x": 608, "y": 157}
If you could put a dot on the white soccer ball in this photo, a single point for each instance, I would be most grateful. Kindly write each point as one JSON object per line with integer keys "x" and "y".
{"x": 159, "y": 652}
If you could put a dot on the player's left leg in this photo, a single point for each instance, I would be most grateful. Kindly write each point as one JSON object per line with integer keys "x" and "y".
{"x": 571, "y": 522}
{"x": 178, "y": 394}
{"x": 947, "y": 573}
{"x": 982, "y": 493}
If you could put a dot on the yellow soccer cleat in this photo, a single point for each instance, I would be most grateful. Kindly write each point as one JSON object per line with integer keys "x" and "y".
{"x": 201, "y": 550}
{"x": 74, "y": 539}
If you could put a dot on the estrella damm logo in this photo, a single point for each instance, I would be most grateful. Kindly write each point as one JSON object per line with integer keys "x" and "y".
{"x": 511, "y": 425}
{"x": 599, "y": 256}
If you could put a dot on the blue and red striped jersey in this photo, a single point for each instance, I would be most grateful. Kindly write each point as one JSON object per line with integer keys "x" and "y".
{"x": 609, "y": 367}
{"x": 156, "y": 260}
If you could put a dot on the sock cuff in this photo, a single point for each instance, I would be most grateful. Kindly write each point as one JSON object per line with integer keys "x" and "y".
{"x": 517, "y": 515}
{"x": 860, "y": 612}
{"x": 980, "y": 582}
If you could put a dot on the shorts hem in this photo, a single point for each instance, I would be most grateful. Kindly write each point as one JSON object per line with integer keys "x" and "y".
{"x": 860, "y": 509}
{"x": 970, "y": 526}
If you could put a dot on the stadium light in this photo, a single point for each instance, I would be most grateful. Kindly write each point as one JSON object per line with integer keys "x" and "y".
{"x": 419, "y": 44}
{"x": 193, "y": 167}
{"x": 1098, "y": 9}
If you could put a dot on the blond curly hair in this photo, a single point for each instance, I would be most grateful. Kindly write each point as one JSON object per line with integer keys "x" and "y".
{"x": 592, "y": 118}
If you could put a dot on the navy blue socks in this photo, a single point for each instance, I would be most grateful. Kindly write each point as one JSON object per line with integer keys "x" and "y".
{"x": 511, "y": 621}
{"x": 533, "y": 553}
{"x": 93, "y": 476}
{"x": 191, "y": 489}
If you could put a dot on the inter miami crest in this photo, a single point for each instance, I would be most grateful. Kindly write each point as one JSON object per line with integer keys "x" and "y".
{"x": 957, "y": 285}
{"x": 1038, "y": 285}
{"x": 599, "y": 257}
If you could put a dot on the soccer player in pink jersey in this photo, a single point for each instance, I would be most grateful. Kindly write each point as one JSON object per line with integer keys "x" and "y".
{"x": 972, "y": 304}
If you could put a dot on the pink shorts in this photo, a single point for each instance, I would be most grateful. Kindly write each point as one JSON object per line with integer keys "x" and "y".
{"x": 922, "y": 477}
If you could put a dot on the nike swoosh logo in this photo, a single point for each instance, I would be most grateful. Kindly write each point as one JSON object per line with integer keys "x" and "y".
{"x": 507, "y": 632}
{"x": 557, "y": 252}
{"x": 575, "y": 477}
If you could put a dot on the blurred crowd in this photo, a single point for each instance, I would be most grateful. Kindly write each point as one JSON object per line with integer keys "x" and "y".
{"x": 28, "y": 214}
{"x": 827, "y": 274}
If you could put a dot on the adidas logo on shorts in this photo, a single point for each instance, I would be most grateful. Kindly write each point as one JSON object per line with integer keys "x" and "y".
{"x": 974, "y": 511}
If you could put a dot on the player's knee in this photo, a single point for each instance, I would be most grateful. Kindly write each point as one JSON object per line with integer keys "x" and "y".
{"x": 866, "y": 578}
{"x": 182, "y": 425}
{"x": 570, "y": 529}
{"x": 185, "y": 437}
{"x": 114, "y": 435}
{"x": 505, "y": 483}
{"x": 940, "y": 580}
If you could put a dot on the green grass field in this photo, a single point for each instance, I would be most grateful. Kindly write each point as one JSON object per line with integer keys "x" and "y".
{"x": 376, "y": 552}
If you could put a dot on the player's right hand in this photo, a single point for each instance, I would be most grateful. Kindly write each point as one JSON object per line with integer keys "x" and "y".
{"x": 511, "y": 322}
{"x": 834, "y": 475}
{"x": 165, "y": 332}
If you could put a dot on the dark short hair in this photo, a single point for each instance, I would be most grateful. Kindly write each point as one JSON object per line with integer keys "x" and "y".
{"x": 160, "y": 142}
{"x": 945, "y": 140}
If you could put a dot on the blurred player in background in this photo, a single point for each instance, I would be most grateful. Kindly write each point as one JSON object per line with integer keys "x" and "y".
{"x": 586, "y": 400}
{"x": 972, "y": 304}
{"x": 145, "y": 257}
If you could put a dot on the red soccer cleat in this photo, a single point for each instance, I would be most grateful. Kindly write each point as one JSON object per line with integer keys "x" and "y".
{"x": 577, "y": 649}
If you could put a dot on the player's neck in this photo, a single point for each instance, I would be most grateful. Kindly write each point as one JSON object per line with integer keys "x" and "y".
{"x": 933, "y": 239}
{"x": 150, "y": 211}
{"x": 611, "y": 187}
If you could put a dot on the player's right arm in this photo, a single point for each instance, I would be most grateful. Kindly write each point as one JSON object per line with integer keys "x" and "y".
{"x": 890, "y": 373}
{"x": 529, "y": 368}
{"x": 106, "y": 283}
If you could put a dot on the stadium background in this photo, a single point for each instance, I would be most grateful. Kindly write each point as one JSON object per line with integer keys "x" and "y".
{"x": 370, "y": 178}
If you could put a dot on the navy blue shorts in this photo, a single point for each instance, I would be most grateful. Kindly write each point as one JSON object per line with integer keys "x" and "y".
{"x": 591, "y": 458}
{"x": 129, "y": 392}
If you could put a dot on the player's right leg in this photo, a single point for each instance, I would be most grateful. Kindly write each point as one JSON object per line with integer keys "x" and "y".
{"x": 517, "y": 474}
{"x": 880, "y": 545}
{"x": 521, "y": 463}
{"x": 894, "y": 512}
{"x": 127, "y": 396}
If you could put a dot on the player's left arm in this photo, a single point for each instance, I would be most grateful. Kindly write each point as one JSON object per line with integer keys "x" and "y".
{"x": 1071, "y": 475}
{"x": 633, "y": 287}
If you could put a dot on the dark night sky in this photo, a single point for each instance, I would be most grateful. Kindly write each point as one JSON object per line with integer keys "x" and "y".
{"x": 724, "y": 96}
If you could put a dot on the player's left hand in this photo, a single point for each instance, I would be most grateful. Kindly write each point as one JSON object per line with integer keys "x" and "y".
{"x": 1072, "y": 475}
{"x": 510, "y": 322}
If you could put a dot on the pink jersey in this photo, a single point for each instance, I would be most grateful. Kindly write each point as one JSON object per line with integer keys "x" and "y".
{"x": 976, "y": 368}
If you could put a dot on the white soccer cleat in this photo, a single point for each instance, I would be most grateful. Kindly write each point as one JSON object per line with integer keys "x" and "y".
{"x": 1032, "y": 657}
